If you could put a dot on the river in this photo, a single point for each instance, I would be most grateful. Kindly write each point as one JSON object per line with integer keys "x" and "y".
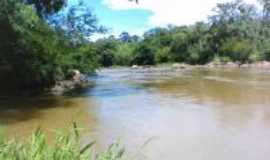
{"x": 192, "y": 114}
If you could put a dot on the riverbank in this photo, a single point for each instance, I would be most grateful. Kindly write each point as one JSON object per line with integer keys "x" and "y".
{"x": 214, "y": 64}
{"x": 257, "y": 65}
{"x": 76, "y": 80}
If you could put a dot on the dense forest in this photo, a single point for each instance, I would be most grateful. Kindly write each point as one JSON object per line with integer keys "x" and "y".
{"x": 236, "y": 32}
{"x": 42, "y": 40}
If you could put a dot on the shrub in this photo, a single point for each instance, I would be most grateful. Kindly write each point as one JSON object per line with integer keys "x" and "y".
{"x": 237, "y": 50}
{"x": 123, "y": 53}
{"x": 162, "y": 55}
{"x": 143, "y": 55}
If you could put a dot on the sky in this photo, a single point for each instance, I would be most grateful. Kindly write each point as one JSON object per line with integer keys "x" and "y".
{"x": 123, "y": 15}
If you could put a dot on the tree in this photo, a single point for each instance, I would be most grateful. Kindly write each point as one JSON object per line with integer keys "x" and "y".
{"x": 45, "y": 7}
{"x": 266, "y": 10}
{"x": 124, "y": 53}
{"x": 77, "y": 22}
{"x": 125, "y": 37}
{"x": 143, "y": 55}
{"x": 36, "y": 54}
{"x": 233, "y": 20}
{"x": 106, "y": 49}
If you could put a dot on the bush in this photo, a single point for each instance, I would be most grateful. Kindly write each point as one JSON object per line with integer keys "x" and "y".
{"x": 221, "y": 60}
{"x": 162, "y": 55}
{"x": 106, "y": 49}
{"x": 267, "y": 55}
{"x": 123, "y": 54}
{"x": 143, "y": 55}
{"x": 237, "y": 50}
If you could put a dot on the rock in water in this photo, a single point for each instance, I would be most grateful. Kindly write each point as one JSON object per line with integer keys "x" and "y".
{"x": 135, "y": 67}
{"x": 179, "y": 66}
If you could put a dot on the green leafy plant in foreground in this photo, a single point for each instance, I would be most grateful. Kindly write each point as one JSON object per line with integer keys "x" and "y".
{"x": 65, "y": 147}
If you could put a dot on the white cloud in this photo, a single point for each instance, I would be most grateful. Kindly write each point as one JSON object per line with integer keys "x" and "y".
{"x": 176, "y": 12}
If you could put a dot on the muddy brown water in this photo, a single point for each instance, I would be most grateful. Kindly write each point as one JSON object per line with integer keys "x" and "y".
{"x": 195, "y": 114}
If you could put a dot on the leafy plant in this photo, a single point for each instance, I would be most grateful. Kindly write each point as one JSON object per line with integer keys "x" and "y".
{"x": 66, "y": 146}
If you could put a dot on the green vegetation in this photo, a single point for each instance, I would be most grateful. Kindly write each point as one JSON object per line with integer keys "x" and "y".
{"x": 43, "y": 40}
{"x": 113, "y": 51}
{"x": 236, "y": 32}
{"x": 65, "y": 147}
{"x": 38, "y": 51}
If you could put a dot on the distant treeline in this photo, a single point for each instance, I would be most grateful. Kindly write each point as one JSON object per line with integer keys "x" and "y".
{"x": 235, "y": 32}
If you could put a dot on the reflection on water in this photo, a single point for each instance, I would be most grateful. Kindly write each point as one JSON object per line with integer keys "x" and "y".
{"x": 190, "y": 114}
{"x": 20, "y": 117}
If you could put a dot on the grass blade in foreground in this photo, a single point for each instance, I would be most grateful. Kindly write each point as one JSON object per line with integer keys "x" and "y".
{"x": 65, "y": 147}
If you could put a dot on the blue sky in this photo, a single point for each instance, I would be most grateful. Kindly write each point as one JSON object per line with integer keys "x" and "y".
{"x": 123, "y": 15}
{"x": 134, "y": 20}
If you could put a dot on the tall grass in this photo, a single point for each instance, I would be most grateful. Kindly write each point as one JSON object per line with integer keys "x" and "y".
{"x": 65, "y": 146}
